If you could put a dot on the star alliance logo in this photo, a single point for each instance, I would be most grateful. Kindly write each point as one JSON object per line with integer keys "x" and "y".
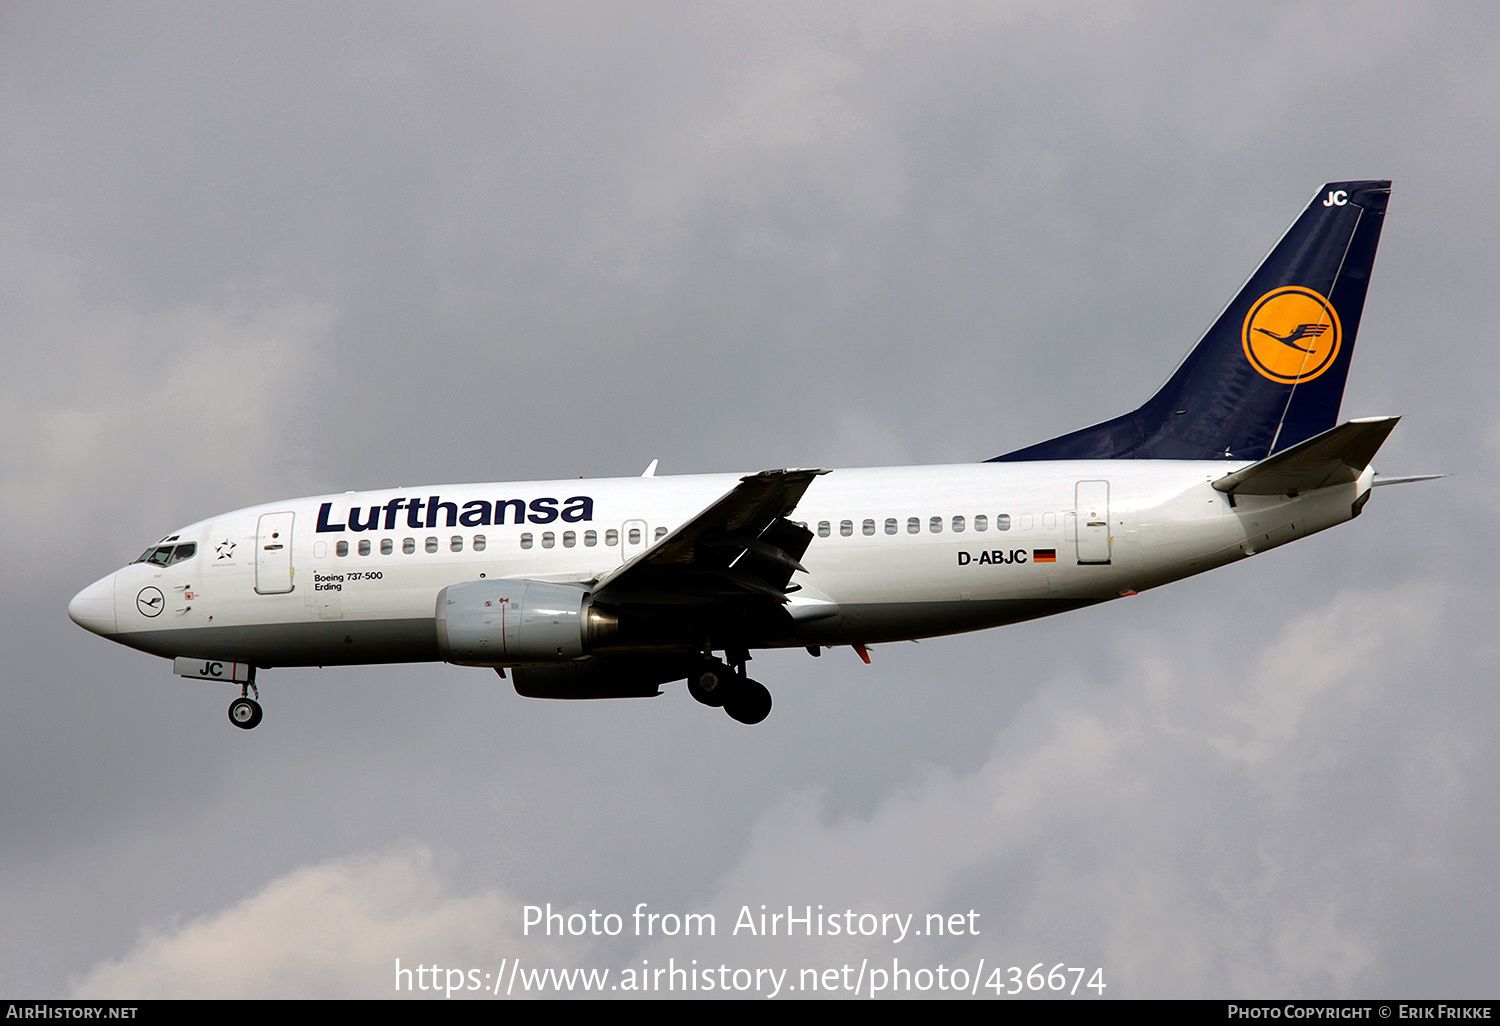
{"x": 225, "y": 549}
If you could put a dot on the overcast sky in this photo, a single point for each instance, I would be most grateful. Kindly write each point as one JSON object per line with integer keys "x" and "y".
{"x": 265, "y": 250}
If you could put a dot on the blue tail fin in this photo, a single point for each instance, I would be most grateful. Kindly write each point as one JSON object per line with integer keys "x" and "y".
{"x": 1270, "y": 372}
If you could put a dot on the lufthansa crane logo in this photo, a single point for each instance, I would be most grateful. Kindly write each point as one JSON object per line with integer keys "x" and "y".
{"x": 1292, "y": 334}
{"x": 150, "y": 602}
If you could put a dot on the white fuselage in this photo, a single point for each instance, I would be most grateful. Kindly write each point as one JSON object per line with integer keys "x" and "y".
{"x": 897, "y": 553}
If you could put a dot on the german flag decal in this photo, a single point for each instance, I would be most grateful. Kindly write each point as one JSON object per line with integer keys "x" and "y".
{"x": 1044, "y": 555}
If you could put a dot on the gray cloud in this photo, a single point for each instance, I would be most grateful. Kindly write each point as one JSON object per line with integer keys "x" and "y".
{"x": 322, "y": 931}
{"x": 272, "y": 251}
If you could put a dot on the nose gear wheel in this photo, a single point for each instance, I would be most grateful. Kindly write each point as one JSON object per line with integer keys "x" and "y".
{"x": 244, "y": 713}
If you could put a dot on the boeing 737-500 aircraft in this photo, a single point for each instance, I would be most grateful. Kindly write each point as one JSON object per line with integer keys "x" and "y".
{"x": 611, "y": 588}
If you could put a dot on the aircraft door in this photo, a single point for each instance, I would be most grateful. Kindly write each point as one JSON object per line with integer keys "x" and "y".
{"x": 1091, "y": 512}
{"x": 633, "y": 539}
{"x": 273, "y": 554}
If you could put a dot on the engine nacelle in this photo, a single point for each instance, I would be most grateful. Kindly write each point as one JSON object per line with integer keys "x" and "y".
{"x": 505, "y": 623}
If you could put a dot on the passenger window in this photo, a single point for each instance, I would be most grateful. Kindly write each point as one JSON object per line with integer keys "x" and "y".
{"x": 526, "y": 540}
{"x": 914, "y": 525}
{"x": 386, "y": 546}
{"x": 590, "y": 538}
{"x": 570, "y": 539}
{"x": 823, "y": 529}
{"x": 456, "y": 543}
{"x": 1026, "y": 521}
{"x": 981, "y": 522}
{"x": 935, "y": 525}
{"x": 341, "y": 549}
{"x": 409, "y": 546}
{"x": 479, "y": 543}
{"x": 869, "y": 527}
{"x": 661, "y": 532}
{"x": 890, "y": 525}
{"x": 635, "y": 536}
{"x": 611, "y": 537}
{"x": 364, "y": 546}
{"x": 958, "y": 525}
{"x": 846, "y": 528}
{"x": 1002, "y": 522}
{"x": 431, "y": 545}
{"x": 548, "y": 539}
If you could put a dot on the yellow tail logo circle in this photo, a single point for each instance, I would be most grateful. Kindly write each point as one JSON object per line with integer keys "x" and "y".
{"x": 1292, "y": 334}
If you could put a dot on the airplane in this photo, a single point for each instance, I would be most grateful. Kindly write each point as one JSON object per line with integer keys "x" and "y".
{"x": 611, "y": 588}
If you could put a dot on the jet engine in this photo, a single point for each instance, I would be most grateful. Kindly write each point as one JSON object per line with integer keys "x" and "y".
{"x": 506, "y": 623}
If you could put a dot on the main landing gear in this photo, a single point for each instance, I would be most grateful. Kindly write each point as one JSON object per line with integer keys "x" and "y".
{"x": 244, "y": 712}
{"x": 717, "y": 684}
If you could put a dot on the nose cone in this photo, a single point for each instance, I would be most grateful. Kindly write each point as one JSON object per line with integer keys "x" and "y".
{"x": 93, "y": 608}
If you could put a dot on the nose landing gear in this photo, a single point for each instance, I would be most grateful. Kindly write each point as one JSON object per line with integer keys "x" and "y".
{"x": 245, "y": 712}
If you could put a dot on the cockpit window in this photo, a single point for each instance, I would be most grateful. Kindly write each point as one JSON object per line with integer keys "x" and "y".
{"x": 163, "y": 555}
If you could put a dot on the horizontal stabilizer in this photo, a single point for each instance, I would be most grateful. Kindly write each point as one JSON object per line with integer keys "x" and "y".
{"x": 1337, "y": 456}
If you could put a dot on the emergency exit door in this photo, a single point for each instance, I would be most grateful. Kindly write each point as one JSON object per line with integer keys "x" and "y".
{"x": 633, "y": 540}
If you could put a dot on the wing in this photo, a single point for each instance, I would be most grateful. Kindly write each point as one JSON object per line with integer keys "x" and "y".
{"x": 740, "y": 547}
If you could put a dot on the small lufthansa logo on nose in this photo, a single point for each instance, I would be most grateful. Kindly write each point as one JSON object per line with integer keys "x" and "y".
{"x": 150, "y": 602}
